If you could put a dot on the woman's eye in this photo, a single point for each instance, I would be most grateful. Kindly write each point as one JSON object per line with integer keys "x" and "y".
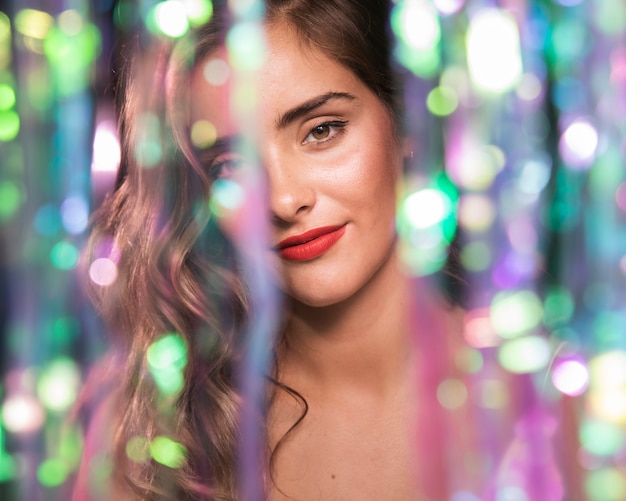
{"x": 321, "y": 132}
{"x": 324, "y": 132}
{"x": 225, "y": 168}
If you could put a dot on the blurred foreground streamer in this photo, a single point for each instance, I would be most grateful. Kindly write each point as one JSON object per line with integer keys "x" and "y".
{"x": 518, "y": 113}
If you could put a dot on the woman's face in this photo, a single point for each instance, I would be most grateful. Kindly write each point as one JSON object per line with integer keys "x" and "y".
{"x": 331, "y": 161}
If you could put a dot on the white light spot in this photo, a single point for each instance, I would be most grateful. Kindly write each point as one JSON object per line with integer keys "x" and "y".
{"x": 420, "y": 25}
{"x": 226, "y": 195}
{"x": 493, "y": 50}
{"x": 103, "y": 271}
{"x": 171, "y": 18}
{"x": 22, "y": 413}
{"x": 578, "y": 144}
{"x": 426, "y": 208}
{"x": 571, "y": 377}
{"x": 448, "y": 7}
{"x": 216, "y": 72}
{"x": 58, "y": 386}
{"x": 106, "y": 148}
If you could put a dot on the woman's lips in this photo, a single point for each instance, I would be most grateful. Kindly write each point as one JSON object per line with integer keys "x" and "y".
{"x": 310, "y": 244}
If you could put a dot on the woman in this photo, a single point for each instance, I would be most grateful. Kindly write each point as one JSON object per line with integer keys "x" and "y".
{"x": 341, "y": 394}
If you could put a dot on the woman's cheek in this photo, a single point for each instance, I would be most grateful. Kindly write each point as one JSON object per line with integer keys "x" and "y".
{"x": 227, "y": 202}
{"x": 240, "y": 209}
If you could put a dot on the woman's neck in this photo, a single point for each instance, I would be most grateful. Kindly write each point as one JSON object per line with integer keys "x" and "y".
{"x": 359, "y": 344}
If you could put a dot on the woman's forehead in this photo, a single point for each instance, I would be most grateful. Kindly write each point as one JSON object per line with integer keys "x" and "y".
{"x": 292, "y": 72}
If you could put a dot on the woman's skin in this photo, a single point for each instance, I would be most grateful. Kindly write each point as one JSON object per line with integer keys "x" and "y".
{"x": 347, "y": 346}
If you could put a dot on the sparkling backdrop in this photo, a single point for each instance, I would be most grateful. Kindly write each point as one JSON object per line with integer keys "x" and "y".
{"x": 517, "y": 114}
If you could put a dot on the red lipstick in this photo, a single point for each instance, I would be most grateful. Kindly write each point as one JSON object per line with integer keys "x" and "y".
{"x": 310, "y": 244}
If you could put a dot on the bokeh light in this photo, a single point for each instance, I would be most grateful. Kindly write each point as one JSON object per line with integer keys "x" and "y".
{"x": 606, "y": 484}
{"x": 525, "y": 354}
{"x": 52, "y": 472}
{"x": 442, "y": 101}
{"x": 608, "y": 382}
{"x": 203, "y": 134}
{"x": 428, "y": 222}
{"x": 74, "y": 214}
{"x": 33, "y": 23}
{"x": 216, "y": 71}
{"x": 578, "y": 144}
{"x": 10, "y": 198}
{"x": 64, "y": 255}
{"x": 22, "y": 413}
{"x": 602, "y": 438}
{"x": 138, "y": 449}
{"x": 493, "y": 50}
{"x": 515, "y": 313}
{"x": 59, "y": 384}
{"x": 198, "y": 11}
{"x": 473, "y": 166}
{"x": 245, "y": 43}
{"x": 447, "y": 7}
{"x": 103, "y": 271}
{"x": 416, "y": 25}
{"x": 166, "y": 451}
{"x": 226, "y": 196}
{"x": 7, "y": 97}
{"x": 106, "y": 148}
{"x": 420, "y": 26}
{"x": 478, "y": 330}
{"x": 452, "y": 393}
{"x": 9, "y": 125}
{"x": 476, "y": 212}
{"x": 529, "y": 87}
{"x": 170, "y": 18}
{"x": 476, "y": 256}
{"x": 167, "y": 358}
{"x": 426, "y": 208}
{"x": 570, "y": 376}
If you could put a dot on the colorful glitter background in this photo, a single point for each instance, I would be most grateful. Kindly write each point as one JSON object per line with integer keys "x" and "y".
{"x": 518, "y": 109}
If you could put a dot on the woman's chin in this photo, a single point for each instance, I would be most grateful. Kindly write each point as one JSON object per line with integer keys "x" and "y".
{"x": 320, "y": 298}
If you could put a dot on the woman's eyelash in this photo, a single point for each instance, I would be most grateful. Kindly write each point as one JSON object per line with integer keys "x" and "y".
{"x": 223, "y": 168}
{"x": 325, "y": 132}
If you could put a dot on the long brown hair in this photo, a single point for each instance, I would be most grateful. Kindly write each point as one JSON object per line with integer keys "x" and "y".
{"x": 176, "y": 272}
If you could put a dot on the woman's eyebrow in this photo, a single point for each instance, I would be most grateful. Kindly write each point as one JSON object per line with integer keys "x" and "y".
{"x": 299, "y": 111}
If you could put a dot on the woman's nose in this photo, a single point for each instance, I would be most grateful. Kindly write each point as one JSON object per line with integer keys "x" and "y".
{"x": 290, "y": 193}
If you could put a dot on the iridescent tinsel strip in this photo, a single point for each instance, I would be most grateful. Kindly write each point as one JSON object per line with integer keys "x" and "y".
{"x": 46, "y": 112}
{"x": 532, "y": 99}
